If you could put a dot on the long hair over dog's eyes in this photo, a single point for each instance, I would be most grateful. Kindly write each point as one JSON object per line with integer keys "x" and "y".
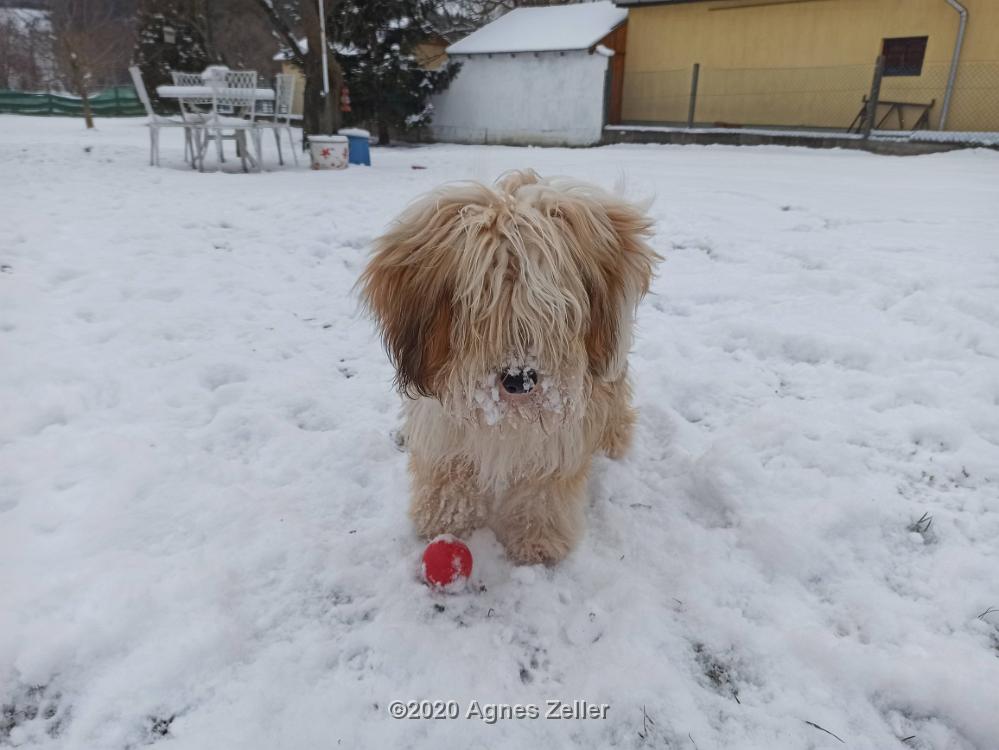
{"x": 472, "y": 272}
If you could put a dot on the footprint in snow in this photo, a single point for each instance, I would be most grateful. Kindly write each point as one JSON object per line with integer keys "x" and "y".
{"x": 216, "y": 376}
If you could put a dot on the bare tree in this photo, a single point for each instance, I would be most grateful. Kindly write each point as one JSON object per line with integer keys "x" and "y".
{"x": 290, "y": 18}
{"x": 239, "y": 33}
{"x": 91, "y": 40}
{"x": 461, "y": 17}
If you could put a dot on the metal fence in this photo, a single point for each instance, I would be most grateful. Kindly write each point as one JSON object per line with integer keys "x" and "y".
{"x": 120, "y": 101}
{"x": 829, "y": 97}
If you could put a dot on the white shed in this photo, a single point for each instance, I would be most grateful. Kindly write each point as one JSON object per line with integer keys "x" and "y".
{"x": 535, "y": 76}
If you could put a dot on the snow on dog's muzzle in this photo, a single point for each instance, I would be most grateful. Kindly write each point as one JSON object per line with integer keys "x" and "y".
{"x": 518, "y": 382}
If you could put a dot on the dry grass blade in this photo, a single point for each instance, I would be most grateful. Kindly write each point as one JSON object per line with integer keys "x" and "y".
{"x": 823, "y": 729}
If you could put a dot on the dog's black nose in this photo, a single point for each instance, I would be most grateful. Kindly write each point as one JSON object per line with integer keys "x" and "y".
{"x": 522, "y": 381}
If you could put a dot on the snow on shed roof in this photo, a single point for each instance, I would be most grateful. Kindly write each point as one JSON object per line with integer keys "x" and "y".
{"x": 546, "y": 29}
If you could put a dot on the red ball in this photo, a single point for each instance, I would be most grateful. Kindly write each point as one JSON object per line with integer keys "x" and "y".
{"x": 446, "y": 560}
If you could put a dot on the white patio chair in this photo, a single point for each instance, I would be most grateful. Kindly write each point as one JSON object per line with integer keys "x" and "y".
{"x": 191, "y": 79}
{"x": 156, "y": 122}
{"x": 284, "y": 95}
{"x": 235, "y": 91}
{"x": 194, "y": 111}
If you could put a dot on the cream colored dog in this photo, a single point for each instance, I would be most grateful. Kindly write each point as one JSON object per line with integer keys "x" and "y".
{"x": 508, "y": 313}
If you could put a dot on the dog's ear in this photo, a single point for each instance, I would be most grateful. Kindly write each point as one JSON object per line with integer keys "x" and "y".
{"x": 407, "y": 288}
{"x": 618, "y": 280}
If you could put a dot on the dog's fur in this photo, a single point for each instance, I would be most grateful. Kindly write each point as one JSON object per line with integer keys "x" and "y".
{"x": 475, "y": 280}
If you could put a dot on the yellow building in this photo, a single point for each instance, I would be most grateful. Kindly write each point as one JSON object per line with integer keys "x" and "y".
{"x": 809, "y": 63}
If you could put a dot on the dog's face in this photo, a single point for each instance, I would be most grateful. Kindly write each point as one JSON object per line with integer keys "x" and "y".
{"x": 507, "y": 301}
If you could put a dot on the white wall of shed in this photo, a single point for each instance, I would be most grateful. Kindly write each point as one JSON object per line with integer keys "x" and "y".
{"x": 527, "y": 98}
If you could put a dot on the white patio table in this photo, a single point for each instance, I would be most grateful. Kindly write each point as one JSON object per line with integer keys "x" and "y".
{"x": 200, "y": 93}
{"x": 207, "y": 94}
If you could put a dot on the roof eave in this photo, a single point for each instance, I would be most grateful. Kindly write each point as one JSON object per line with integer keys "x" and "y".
{"x": 635, "y": 3}
{"x": 584, "y": 48}
{"x": 516, "y": 51}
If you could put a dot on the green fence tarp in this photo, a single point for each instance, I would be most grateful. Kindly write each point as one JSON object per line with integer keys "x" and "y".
{"x": 120, "y": 101}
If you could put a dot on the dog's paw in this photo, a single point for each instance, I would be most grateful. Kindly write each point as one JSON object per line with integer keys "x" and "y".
{"x": 445, "y": 499}
{"x": 534, "y": 550}
{"x": 428, "y": 529}
{"x": 433, "y": 517}
{"x": 616, "y": 439}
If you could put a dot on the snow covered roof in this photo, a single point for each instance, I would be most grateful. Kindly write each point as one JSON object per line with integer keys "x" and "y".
{"x": 546, "y": 29}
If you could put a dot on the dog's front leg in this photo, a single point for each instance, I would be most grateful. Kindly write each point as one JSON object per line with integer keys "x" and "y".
{"x": 539, "y": 520}
{"x": 620, "y": 421}
{"x": 445, "y": 497}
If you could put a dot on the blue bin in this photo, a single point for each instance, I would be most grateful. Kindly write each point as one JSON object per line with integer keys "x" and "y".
{"x": 357, "y": 141}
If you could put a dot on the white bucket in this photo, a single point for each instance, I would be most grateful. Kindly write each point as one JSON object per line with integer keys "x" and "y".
{"x": 329, "y": 151}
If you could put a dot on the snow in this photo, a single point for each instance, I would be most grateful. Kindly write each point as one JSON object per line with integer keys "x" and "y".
{"x": 947, "y": 136}
{"x": 24, "y": 19}
{"x": 193, "y": 92}
{"x": 356, "y": 132}
{"x": 327, "y": 139}
{"x": 203, "y": 537}
{"x": 286, "y": 54}
{"x": 929, "y": 136}
{"x": 544, "y": 29}
{"x": 730, "y": 131}
{"x": 303, "y": 45}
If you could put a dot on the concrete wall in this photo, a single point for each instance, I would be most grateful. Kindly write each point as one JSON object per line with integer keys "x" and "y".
{"x": 804, "y": 62}
{"x": 527, "y": 98}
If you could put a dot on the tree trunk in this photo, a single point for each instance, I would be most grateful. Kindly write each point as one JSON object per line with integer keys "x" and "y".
{"x": 317, "y": 117}
{"x": 88, "y": 114}
{"x": 383, "y": 133}
{"x": 80, "y": 84}
{"x": 322, "y": 113}
{"x": 205, "y": 12}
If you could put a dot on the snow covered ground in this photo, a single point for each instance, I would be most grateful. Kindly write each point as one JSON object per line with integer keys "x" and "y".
{"x": 203, "y": 538}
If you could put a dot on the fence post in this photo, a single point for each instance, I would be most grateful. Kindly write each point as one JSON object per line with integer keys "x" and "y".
{"x": 695, "y": 73}
{"x": 117, "y": 105}
{"x": 51, "y": 103}
{"x": 872, "y": 100}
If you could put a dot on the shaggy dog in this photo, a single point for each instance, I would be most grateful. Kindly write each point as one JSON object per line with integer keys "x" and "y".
{"x": 508, "y": 314}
